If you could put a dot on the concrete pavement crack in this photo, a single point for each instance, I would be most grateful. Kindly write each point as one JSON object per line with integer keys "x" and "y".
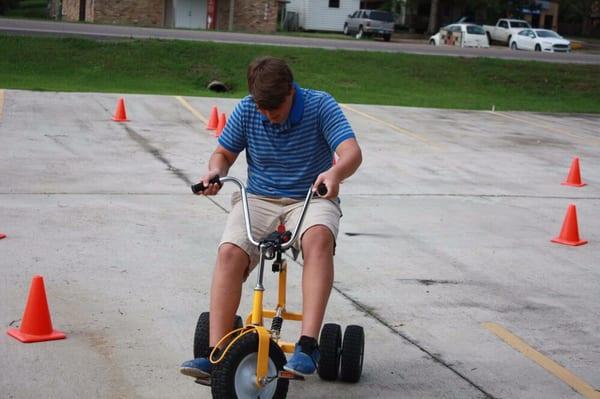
{"x": 371, "y": 313}
{"x": 155, "y": 152}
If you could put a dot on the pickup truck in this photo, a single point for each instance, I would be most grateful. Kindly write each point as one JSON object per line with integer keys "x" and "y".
{"x": 505, "y": 29}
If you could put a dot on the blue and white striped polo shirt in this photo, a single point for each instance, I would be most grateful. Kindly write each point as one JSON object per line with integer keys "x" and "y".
{"x": 285, "y": 159}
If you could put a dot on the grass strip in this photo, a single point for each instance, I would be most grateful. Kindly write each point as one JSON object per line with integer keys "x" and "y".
{"x": 173, "y": 67}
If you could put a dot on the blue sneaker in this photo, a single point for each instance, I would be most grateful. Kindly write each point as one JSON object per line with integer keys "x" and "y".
{"x": 199, "y": 368}
{"x": 303, "y": 363}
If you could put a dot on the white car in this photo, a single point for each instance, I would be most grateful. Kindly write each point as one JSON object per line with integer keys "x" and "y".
{"x": 463, "y": 35}
{"x": 505, "y": 29}
{"x": 540, "y": 40}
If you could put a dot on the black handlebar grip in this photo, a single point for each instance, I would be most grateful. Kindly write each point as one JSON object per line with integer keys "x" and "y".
{"x": 198, "y": 188}
{"x": 322, "y": 190}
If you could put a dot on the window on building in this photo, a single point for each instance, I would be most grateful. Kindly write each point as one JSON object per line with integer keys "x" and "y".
{"x": 334, "y": 3}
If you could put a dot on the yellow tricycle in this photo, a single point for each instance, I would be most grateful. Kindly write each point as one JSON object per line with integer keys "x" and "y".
{"x": 250, "y": 363}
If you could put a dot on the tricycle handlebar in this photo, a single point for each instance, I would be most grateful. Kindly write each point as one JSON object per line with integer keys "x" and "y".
{"x": 321, "y": 191}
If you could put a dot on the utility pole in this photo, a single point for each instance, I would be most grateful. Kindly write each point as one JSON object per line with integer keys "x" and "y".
{"x": 231, "y": 11}
{"x": 433, "y": 16}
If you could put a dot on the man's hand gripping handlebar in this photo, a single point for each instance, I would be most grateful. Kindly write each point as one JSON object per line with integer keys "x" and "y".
{"x": 199, "y": 188}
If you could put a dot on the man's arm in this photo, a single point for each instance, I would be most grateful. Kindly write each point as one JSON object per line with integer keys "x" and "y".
{"x": 218, "y": 165}
{"x": 350, "y": 158}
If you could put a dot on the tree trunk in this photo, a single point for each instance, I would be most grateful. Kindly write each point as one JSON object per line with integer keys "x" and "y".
{"x": 433, "y": 17}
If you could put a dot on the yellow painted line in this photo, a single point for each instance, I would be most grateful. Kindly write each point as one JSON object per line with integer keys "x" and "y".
{"x": 540, "y": 125}
{"x": 191, "y": 109}
{"x": 392, "y": 126}
{"x": 1, "y": 102}
{"x": 550, "y": 365}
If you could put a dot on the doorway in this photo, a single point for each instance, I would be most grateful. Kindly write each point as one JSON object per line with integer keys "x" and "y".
{"x": 190, "y": 14}
{"x": 548, "y": 19}
{"x": 82, "y": 10}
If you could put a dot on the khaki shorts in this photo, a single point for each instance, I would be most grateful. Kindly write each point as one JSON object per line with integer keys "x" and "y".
{"x": 266, "y": 213}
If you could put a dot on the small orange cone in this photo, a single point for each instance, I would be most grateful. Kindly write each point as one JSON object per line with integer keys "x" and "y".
{"x": 569, "y": 233}
{"x": 221, "y": 125}
{"x": 213, "y": 122}
{"x": 2, "y": 236}
{"x": 36, "y": 324}
{"x": 120, "y": 114}
{"x": 574, "y": 178}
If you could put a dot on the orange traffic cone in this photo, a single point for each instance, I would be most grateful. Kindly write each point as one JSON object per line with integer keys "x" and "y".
{"x": 213, "y": 122}
{"x": 574, "y": 178}
{"x": 2, "y": 236}
{"x": 569, "y": 233}
{"x": 120, "y": 114}
{"x": 36, "y": 324}
{"x": 221, "y": 125}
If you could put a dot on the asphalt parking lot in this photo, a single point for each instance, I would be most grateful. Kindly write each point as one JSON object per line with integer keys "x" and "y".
{"x": 444, "y": 253}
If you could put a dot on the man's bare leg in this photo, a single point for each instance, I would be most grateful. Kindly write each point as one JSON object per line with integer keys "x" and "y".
{"x": 317, "y": 277}
{"x": 226, "y": 290}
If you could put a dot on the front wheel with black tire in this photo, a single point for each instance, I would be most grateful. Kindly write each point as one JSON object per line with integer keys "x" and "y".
{"x": 387, "y": 37}
{"x": 513, "y": 46}
{"x": 432, "y": 42}
{"x": 360, "y": 33}
{"x": 201, "y": 335}
{"x": 538, "y": 47}
{"x": 346, "y": 30}
{"x": 330, "y": 344}
{"x": 353, "y": 353}
{"x": 235, "y": 375}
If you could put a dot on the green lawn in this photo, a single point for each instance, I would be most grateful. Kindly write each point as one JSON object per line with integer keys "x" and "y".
{"x": 184, "y": 68}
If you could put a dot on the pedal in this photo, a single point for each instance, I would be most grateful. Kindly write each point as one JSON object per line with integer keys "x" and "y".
{"x": 288, "y": 375}
{"x": 203, "y": 381}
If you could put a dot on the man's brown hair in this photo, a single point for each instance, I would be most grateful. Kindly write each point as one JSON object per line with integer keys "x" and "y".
{"x": 269, "y": 82}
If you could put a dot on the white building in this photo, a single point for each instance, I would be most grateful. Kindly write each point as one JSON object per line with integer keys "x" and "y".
{"x": 328, "y": 15}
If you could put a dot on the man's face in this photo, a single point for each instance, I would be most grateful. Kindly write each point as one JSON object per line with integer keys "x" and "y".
{"x": 279, "y": 114}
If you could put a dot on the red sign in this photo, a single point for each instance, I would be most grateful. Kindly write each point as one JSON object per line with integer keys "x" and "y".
{"x": 211, "y": 14}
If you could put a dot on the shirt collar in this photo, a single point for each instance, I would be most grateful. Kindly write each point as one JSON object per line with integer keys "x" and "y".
{"x": 297, "y": 110}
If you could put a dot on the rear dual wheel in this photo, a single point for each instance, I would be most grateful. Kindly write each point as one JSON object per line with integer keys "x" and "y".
{"x": 353, "y": 354}
{"x": 330, "y": 347}
{"x": 344, "y": 356}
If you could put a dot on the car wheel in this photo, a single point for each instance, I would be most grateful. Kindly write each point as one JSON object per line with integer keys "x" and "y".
{"x": 387, "y": 37}
{"x": 513, "y": 46}
{"x": 346, "y": 31}
{"x": 360, "y": 33}
{"x": 508, "y": 41}
{"x": 538, "y": 47}
{"x": 432, "y": 42}
{"x": 489, "y": 38}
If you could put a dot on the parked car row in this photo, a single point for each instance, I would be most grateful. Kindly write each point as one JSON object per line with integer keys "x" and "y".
{"x": 517, "y": 34}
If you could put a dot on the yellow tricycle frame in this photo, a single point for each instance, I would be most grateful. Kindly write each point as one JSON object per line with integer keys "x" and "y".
{"x": 269, "y": 249}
